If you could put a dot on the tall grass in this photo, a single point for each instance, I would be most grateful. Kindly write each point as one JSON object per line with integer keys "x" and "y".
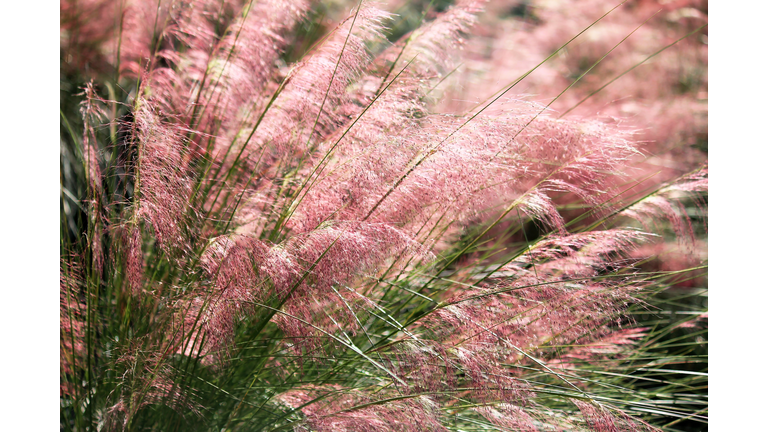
{"x": 274, "y": 216}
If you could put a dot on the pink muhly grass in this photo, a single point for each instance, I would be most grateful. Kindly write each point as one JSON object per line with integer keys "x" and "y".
{"x": 335, "y": 411}
{"x": 443, "y": 164}
{"x": 583, "y": 254}
{"x": 247, "y": 270}
{"x": 613, "y": 344}
{"x": 163, "y": 180}
{"x": 134, "y": 258}
{"x": 668, "y": 91}
{"x": 234, "y": 75}
{"x": 318, "y": 247}
{"x": 508, "y": 416}
{"x": 601, "y": 419}
{"x": 305, "y": 109}
{"x": 72, "y": 322}
{"x": 138, "y": 47}
{"x": 92, "y": 112}
{"x": 666, "y": 204}
{"x": 162, "y": 187}
{"x": 534, "y": 308}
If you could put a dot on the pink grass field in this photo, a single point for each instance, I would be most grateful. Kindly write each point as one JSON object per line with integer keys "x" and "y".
{"x": 369, "y": 216}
